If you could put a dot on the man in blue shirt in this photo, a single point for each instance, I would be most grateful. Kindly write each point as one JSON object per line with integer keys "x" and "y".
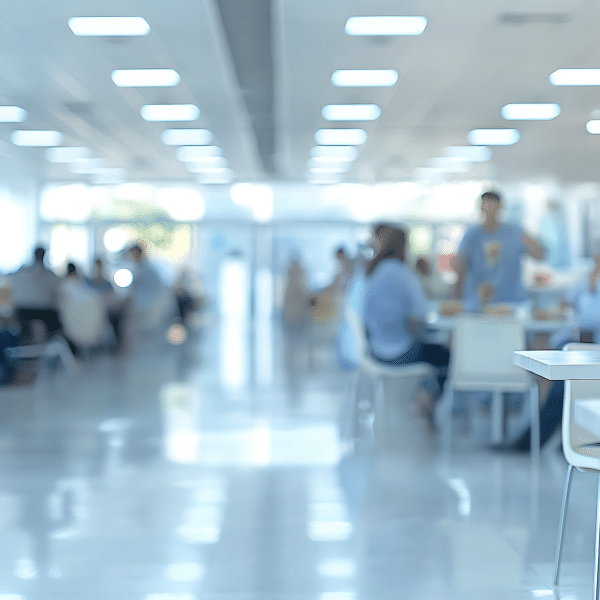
{"x": 488, "y": 263}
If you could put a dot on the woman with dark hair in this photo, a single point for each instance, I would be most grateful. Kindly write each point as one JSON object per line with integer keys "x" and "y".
{"x": 394, "y": 312}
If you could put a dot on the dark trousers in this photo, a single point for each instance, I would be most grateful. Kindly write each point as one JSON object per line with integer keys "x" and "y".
{"x": 550, "y": 417}
{"x": 49, "y": 316}
{"x": 433, "y": 354}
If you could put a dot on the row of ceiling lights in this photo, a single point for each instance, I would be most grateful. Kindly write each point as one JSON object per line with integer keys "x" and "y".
{"x": 194, "y": 149}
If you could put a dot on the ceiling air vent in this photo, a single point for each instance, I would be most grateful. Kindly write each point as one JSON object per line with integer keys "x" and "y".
{"x": 533, "y": 18}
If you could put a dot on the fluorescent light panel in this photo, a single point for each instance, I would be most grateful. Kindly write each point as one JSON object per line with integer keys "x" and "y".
{"x": 339, "y": 152}
{"x": 207, "y": 165}
{"x": 110, "y": 26}
{"x": 170, "y": 112}
{"x": 145, "y": 77}
{"x": 386, "y": 25}
{"x": 364, "y": 77}
{"x": 575, "y": 77}
{"x": 217, "y": 176}
{"x": 91, "y": 166}
{"x": 351, "y": 112}
{"x": 12, "y": 114}
{"x": 470, "y": 153}
{"x": 186, "y": 137}
{"x": 341, "y": 137}
{"x": 193, "y": 153}
{"x": 493, "y": 137}
{"x": 449, "y": 164}
{"x": 530, "y": 112}
{"x": 593, "y": 126}
{"x": 29, "y": 137}
{"x": 327, "y": 161}
{"x": 339, "y": 168}
{"x": 68, "y": 154}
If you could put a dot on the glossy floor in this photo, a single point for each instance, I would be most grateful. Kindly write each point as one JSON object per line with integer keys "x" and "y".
{"x": 222, "y": 469}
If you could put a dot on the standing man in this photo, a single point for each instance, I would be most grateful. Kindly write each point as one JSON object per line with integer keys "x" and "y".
{"x": 34, "y": 292}
{"x": 488, "y": 263}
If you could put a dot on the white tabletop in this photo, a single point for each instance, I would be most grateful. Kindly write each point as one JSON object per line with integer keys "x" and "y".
{"x": 560, "y": 364}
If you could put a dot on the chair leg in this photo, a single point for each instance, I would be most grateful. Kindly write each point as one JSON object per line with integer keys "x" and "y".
{"x": 597, "y": 550}
{"x": 561, "y": 525}
{"x": 498, "y": 424}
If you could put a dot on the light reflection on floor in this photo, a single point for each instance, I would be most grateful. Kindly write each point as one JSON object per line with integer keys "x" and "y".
{"x": 177, "y": 474}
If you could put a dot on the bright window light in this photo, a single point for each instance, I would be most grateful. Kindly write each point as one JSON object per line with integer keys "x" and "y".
{"x": 111, "y": 26}
{"x": 470, "y": 153}
{"x": 12, "y": 114}
{"x": 338, "y": 152}
{"x": 186, "y": 137}
{"x": 22, "y": 137}
{"x": 182, "y": 204}
{"x": 170, "y": 112}
{"x": 206, "y": 165}
{"x": 364, "y": 77}
{"x": 351, "y": 112}
{"x": 493, "y": 137}
{"x": 386, "y": 25}
{"x": 530, "y": 112}
{"x": 575, "y": 77}
{"x": 115, "y": 239}
{"x": 68, "y": 154}
{"x": 145, "y": 77}
{"x": 341, "y": 137}
{"x": 593, "y": 126}
{"x": 192, "y": 153}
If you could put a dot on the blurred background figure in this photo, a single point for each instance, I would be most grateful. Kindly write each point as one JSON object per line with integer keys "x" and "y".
{"x": 9, "y": 335}
{"x": 188, "y": 295}
{"x": 34, "y": 293}
{"x": 555, "y": 236}
{"x": 488, "y": 263}
{"x": 296, "y": 297}
{"x": 115, "y": 306}
{"x": 148, "y": 301}
{"x": 81, "y": 311}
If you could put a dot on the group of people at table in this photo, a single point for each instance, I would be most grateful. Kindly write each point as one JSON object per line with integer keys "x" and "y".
{"x": 488, "y": 266}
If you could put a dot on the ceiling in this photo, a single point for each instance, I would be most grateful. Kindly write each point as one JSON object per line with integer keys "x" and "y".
{"x": 260, "y": 72}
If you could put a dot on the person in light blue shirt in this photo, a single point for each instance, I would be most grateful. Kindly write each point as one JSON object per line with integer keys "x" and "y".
{"x": 488, "y": 263}
{"x": 394, "y": 311}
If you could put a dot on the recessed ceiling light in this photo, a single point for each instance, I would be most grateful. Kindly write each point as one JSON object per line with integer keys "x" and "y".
{"x": 12, "y": 114}
{"x": 493, "y": 137}
{"x": 351, "y": 112}
{"x": 111, "y": 26}
{"x": 109, "y": 176}
{"x": 341, "y": 137}
{"x": 29, "y": 137}
{"x": 193, "y": 153}
{"x": 386, "y": 25}
{"x": 339, "y": 168}
{"x": 575, "y": 77}
{"x": 186, "y": 137}
{"x": 450, "y": 164}
{"x": 470, "y": 153}
{"x": 145, "y": 77}
{"x": 364, "y": 77}
{"x": 327, "y": 161}
{"x": 206, "y": 165}
{"x": 217, "y": 176}
{"x": 593, "y": 126}
{"x": 339, "y": 152}
{"x": 68, "y": 154}
{"x": 170, "y": 112}
{"x": 91, "y": 166}
{"x": 530, "y": 112}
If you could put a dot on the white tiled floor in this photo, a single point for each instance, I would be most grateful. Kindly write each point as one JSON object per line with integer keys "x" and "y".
{"x": 215, "y": 470}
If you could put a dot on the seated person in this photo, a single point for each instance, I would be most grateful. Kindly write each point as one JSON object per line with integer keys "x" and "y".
{"x": 394, "y": 312}
{"x": 488, "y": 263}
{"x": 9, "y": 336}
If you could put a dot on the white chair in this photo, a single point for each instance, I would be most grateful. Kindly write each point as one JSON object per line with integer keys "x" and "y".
{"x": 375, "y": 374}
{"x": 582, "y": 451}
{"x": 83, "y": 318}
{"x": 481, "y": 360}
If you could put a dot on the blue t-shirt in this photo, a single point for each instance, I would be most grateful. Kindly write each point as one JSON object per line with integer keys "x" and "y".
{"x": 392, "y": 296}
{"x": 493, "y": 257}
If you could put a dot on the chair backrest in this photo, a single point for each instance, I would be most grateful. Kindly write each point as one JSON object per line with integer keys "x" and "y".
{"x": 84, "y": 318}
{"x": 482, "y": 354}
{"x": 359, "y": 333}
{"x": 576, "y": 439}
